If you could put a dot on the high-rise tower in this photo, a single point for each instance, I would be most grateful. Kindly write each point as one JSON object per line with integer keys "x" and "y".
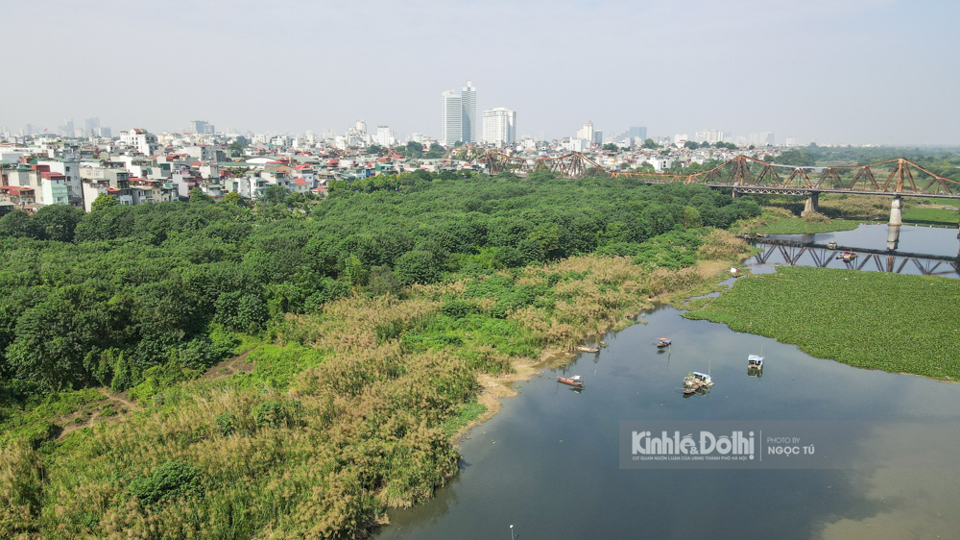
{"x": 451, "y": 128}
{"x": 499, "y": 126}
{"x": 468, "y": 100}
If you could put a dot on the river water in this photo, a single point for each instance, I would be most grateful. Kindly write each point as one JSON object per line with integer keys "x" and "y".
{"x": 548, "y": 463}
{"x": 932, "y": 244}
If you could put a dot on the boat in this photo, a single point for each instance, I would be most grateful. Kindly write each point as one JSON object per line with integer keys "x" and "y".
{"x": 664, "y": 342}
{"x": 832, "y": 244}
{"x": 697, "y": 380}
{"x": 588, "y": 349}
{"x": 754, "y": 361}
{"x": 575, "y": 381}
{"x": 698, "y": 391}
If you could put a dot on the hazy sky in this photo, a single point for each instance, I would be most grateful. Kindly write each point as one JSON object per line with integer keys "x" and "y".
{"x": 834, "y": 71}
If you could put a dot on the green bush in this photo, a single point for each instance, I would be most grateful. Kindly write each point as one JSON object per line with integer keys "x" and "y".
{"x": 226, "y": 423}
{"x": 276, "y": 414}
{"x": 171, "y": 480}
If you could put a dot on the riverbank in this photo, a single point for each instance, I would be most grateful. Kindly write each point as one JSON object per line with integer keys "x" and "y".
{"x": 874, "y": 320}
{"x": 347, "y": 412}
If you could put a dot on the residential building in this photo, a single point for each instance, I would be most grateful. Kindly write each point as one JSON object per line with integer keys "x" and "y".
{"x": 70, "y": 169}
{"x": 709, "y": 136}
{"x": 499, "y": 126}
{"x": 586, "y": 132}
{"x": 384, "y": 136}
{"x": 141, "y": 140}
{"x": 53, "y": 189}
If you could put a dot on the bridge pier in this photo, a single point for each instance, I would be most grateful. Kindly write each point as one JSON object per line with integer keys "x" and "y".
{"x": 893, "y": 237}
{"x": 813, "y": 202}
{"x": 896, "y": 215}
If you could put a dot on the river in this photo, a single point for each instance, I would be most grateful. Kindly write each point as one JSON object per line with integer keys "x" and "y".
{"x": 548, "y": 463}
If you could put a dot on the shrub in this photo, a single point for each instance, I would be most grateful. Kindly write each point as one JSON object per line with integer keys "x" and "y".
{"x": 276, "y": 414}
{"x": 226, "y": 423}
{"x": 459, "y": 309}
{"x": 171, "y": 480}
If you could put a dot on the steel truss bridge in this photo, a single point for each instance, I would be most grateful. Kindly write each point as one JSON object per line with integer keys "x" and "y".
{"x": 894, "y": 177}
{"x": 822, "y": 256}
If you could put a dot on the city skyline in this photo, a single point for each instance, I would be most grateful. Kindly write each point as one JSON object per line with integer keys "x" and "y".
{"x": 822, "y": 71}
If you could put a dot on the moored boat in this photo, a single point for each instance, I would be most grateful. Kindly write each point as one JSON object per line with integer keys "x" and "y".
{"x": 697, "y": 380}
{"x": 588, "y": 349}
{"x": 575, "y": 381}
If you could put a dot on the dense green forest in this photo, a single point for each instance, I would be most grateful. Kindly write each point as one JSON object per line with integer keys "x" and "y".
{"x": 99, "y": 299}
{"x": 365, "y": 321}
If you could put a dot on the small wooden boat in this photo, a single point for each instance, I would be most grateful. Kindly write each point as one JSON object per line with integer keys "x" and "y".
{"x": 576, "y": 381}
{"x": 832, "y": 244}
{"x": 588, "y": 349}
{"x": 754, "y": 361}
{"x": 664, "y": 342}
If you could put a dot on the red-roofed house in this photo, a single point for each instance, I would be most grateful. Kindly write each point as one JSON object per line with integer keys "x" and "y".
{"x": 301, "y": 185}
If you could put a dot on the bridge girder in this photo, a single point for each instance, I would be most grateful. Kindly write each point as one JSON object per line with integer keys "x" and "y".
{"x": 737, "y": 173}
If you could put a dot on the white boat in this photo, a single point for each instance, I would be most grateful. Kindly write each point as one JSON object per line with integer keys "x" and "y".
{"x": 754, "y": 361}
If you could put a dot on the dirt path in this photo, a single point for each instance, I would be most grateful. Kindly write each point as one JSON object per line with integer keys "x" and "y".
{"x": 111, "y": 409}
{"x": 229, "y": 367}
{"x": 116, "y": 406}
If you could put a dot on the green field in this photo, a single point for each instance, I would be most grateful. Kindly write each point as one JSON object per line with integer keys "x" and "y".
{"x": 924, "y": 215}
{"x": 801, "y": 226}
{"x": 776, "y": 220}
{"x": 893, "y": 322}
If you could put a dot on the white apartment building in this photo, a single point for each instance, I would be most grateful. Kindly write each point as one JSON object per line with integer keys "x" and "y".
{"x": 499, "y": 126}
{"x": 384, "y": 136}
{"x": 53, "y": 189}
{"x": 586, "y": 132}
{"x": 70, "y": 169}
{"x": 141, "y": 140}
{"x": 711, "y": 136}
